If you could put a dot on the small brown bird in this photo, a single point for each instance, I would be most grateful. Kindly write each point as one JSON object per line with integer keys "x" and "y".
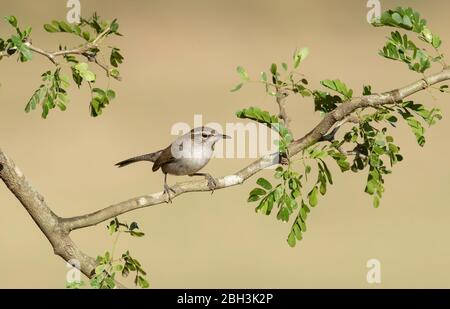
{"x": 185, "y": 156}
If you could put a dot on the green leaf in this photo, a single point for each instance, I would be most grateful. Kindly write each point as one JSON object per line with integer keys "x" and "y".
{"x": 264, "y": 183}
{"x": 12, "y": 20}
{"x": 371, "y": 187}
{"x": 99, "y": 269}
{"x": 35, "y": 99}
{"x": 256, "y": 114}
{"x": 427, "y": 35}
{"x": 338, "y": 86}
{"x": 115, "y": 74}
{"x": 110, "y": 94}
{"x": 323, "y": 188}
{"x": 86, "y": 35}
{"x": 444, "y": 88}
{"x": 436, "y": 42}
{"x": 406, "y": 21}
{"x": 418, "y": 130}
{"x": 50, "y": 28}
{"x": 397, "y": 18}
{"x": 414, "y": 124}
{"x": 291, "y": 240}
{"x": 327, "y": 172}
{"x": 100, "y": 92}
{"x": 257, "y": 191}
{"x": 83, "y": 70}
{"x": 65, "y": 27}
{"x": 243, "y": 73}
{"x": 376, "y": 202}
{"x": 137, "y": 234}
{"x": 88, "y": 76}
{"x": 237, "y": 87}
{"x": 25, "y": 52}
{"x": 253, "y": 198}
{"x": 116, "y": 58}
{"x": 273, "y": 69}
{"x": 297, "y": 232}
{"x": 299, "y": 56}
{"x": 312, "y": 196}
{"x": 264, "y": 76}
{"x": 142, "y": 282}
{"x": 114, "y": 27}
{"x": 96, "y": 107}
{"x": 62, "y": 106}
{"x": 367, "y": 90}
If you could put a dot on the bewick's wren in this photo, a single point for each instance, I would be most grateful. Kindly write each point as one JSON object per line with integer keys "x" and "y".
{"x": 185, "y": 156}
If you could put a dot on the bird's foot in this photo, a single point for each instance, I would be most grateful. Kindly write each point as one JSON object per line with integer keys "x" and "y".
{"x": 212, "y": 183}
{"x": 167, "y": 191}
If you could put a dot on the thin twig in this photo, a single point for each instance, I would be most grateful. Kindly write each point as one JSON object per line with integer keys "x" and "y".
{"x": 83, "y": 50}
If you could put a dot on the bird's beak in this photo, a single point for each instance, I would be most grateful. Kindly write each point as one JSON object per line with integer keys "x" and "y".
{"x": 226, "y": 136}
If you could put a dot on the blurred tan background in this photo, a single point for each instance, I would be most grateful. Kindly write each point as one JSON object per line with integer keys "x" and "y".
{"x": 180, "y": 59}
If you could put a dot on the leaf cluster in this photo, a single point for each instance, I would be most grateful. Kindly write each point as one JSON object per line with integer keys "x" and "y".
{"x": 108, "y": 267}
{"x": 400, "y": 47}
{"x": 54, "y": 92}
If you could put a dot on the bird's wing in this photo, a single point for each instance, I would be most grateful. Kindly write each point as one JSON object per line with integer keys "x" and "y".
{"x": 164, "y": 158}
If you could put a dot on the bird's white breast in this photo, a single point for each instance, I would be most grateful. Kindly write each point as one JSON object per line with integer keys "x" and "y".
{"x": 189, "y": 157}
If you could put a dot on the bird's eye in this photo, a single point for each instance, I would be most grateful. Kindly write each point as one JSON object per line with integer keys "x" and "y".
{"x": 204, "y": 135}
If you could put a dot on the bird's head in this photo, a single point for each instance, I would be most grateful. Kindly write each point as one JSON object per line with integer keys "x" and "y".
{"x": 207, "y": 136}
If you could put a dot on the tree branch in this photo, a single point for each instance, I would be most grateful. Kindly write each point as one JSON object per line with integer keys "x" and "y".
{"x": 46, "y": 220}
{"x": 339, "y": 114}
{"x": 331, "y": 136}
{"x": 83, "y": 50}
{"x": 57, "y": 229}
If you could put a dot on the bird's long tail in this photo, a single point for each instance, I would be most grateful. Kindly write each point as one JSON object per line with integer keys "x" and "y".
{"x": 147, "y": 157}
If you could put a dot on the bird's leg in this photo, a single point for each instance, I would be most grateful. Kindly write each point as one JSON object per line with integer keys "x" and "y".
{"x": 212, "y": 183}
{"x": 167, "y": 189}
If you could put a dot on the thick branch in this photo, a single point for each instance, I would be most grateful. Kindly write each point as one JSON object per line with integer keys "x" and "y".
{"x": 342, "y": 112}
{"x": 46, "y": 220}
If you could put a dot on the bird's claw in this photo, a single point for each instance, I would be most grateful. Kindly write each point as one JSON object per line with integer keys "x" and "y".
{"x": 212, "y": 183}
{"x": 167, "y": 191}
